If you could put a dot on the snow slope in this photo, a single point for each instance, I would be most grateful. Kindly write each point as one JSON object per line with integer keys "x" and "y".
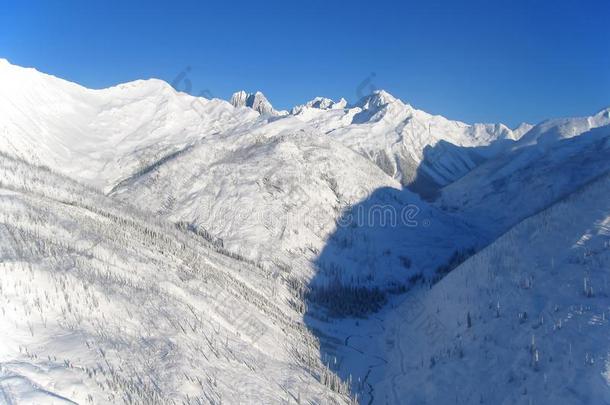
{"x": 537, "y": 300}
{"x": 276, "y": 192}
{"x": 101, "y": 303}
{"x": 492, "y": 198}
{"x": 550, "y": 131}
{"x": 529, "y": 178}
{"x": 102, "y": 136}
{"x": 419, "y": 149}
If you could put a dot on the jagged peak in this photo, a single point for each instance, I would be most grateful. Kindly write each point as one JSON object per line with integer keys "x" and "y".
{"x": 238, "y": 99}
{"x": 322, "y": 103}
{"x": 257, "y": 101}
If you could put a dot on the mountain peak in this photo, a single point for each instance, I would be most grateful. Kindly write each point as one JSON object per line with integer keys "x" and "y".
{"x": 322, "y": 103}
{"x": 257, "y": 101}
{"x": 604, "y": 112}
{"x": 376, "y": 100}
{"x": 521, "y": 130}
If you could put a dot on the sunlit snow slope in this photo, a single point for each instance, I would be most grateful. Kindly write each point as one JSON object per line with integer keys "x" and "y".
{"x": 102, "y": 136}
{"x": 103, "y": 304}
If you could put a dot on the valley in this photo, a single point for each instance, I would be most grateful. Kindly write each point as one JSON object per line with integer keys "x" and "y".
{"x": 158, "y": 247}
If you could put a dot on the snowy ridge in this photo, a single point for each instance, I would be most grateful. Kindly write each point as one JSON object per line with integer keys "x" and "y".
{"x": 64, "y": 125}
{"x": 550, "y": 131}
{"x": 319, "y": 103}
{"x": 102, "y": 136}
{"x": 408, "y": 143}
{"x": 529, "y": 178}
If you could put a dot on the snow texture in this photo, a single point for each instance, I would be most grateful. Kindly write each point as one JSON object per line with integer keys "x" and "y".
{"x": 157, "y": 247}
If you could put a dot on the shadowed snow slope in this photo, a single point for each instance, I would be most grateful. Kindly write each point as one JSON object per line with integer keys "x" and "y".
{"x": 396, "y": 353}
{"x": 503, "y": 191}
{"x": 524, "y": 321}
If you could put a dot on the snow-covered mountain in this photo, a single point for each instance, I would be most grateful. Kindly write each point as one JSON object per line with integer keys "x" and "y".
{"x": 102, "y": 303}
{"x": 421, "y": 150}
{"x": 102, "y": 136}
{"x": 198, "y": 250}
{"x": 532, "y": 176}
{"x": 298, "y": 173}
{"x": 524, "y": 321}
{"x": 276, "y": 194}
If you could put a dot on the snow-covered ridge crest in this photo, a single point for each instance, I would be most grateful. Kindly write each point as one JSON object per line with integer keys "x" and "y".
{"x": 105, "y": 136}
{"x": 421, "y": 150}
{"x": 552, "y": 130}
{"x": 102, "y": 136}
{"x": 376, "y": 100}
{"x": 319, "y": 103}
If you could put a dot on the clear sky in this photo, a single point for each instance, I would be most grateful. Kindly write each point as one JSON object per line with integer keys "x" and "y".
{"x": 483, "y": 61}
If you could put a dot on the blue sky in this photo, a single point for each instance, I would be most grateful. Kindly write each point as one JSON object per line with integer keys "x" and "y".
{"x": 477, "y": 61}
